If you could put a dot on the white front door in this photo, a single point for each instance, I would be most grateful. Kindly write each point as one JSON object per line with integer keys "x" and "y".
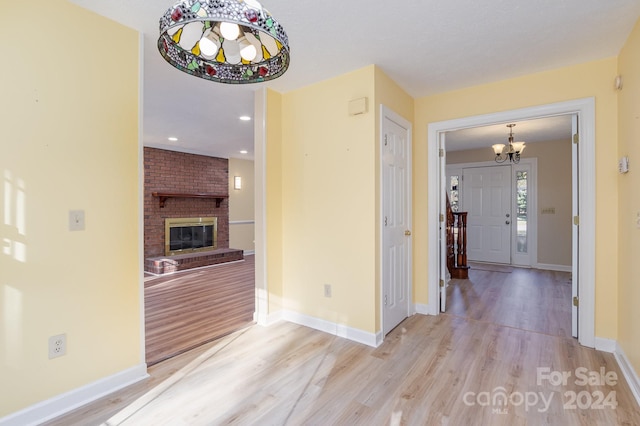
{"x": 396, "y": 218}
{"x": 487, "y": 199}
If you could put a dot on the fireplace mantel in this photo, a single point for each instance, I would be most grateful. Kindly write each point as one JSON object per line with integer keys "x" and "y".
{"x": 163, "y": 196}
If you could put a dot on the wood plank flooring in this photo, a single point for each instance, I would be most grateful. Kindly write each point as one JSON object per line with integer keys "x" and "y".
{"x": 529, "y": 299}
{"x": 450, "y": 369}
{"x": 187, "y": 309}
{"x": 443, "y": 370}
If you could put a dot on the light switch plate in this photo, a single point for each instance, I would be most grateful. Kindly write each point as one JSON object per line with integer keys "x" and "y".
{"x": 76, "y": 220}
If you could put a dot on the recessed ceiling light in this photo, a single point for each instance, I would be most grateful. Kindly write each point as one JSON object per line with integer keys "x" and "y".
{"x": 244, "y": 152}
{"x": 245, "y": 118}
{"x": 173, "y": 139}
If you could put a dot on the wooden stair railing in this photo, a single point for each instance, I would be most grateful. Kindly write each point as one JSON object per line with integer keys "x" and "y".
{"x": 457, "y": 243}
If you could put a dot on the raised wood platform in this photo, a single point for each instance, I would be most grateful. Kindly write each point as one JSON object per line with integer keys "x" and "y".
{"x": 168, "y": 264}
{"x": 185, "y": 310}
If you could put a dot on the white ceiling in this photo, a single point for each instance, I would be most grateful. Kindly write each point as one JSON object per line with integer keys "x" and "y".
{"x": 426, "y": 46}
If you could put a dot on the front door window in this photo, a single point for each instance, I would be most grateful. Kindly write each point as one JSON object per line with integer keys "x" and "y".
{"x": 521, "y": 212}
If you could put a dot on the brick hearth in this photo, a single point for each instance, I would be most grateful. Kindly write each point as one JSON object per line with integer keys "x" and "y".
{"x": 169, "y": 264}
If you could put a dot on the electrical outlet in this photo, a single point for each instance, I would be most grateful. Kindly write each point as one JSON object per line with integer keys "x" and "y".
{"x": 57, "y": 346}
{"x": 327, "y": 290}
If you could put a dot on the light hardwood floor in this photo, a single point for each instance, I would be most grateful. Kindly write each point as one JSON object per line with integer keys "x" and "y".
{"x": 529, "y": 299}
{"x": 429, "y": 371}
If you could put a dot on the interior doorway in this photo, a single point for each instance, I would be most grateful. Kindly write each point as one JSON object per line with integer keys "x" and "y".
{"x": 499, "y": 199}
{"x": 585, "y": 206}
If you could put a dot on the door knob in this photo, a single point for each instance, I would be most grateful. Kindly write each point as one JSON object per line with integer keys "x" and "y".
{"x": 508, "y": 215}
{"x": 507, "y": 222}
{"x": 407, "y": 233}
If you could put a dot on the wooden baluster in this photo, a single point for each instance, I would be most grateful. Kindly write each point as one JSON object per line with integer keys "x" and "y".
{"x": 459, "y": 243}
{"x": 450, "y": 247}
{"x": 462, "y": 231}
{"x": 450, "y": 242}
{"x": 460, "y": 269}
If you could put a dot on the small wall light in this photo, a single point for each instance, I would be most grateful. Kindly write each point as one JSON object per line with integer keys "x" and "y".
{"x": 237, "y": 182}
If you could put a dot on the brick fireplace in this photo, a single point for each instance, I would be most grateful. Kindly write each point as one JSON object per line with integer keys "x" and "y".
{"x": 176, "y": 173}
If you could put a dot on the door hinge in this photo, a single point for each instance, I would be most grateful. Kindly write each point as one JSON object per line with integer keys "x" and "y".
{"x": 576, "y": 301}
{"x": 441, "y": 283}
{"x": 441, "y": 152}
{"x": 441, "y": 218}
{"x": 385, "y": 300}
{"x": 576, "y": 138}
{"x": 386, "y": 140}
{"x": 576, "y": 220}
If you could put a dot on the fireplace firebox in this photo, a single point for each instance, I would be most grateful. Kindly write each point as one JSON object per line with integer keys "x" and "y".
{"x": 190, "y": 235}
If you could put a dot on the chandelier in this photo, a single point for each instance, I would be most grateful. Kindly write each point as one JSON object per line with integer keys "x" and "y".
{"x": 513, "y": 151}
{"x": 226, "y": 41}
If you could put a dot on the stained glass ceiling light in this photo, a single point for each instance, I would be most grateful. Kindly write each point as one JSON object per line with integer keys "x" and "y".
{"x": 227, "y": 41}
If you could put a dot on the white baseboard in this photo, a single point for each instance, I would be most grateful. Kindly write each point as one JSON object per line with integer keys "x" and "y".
{"x": 61, "y": 404}
{"x": 419, "y": 308}
{"x": 273, "y": 318}
{"x": 628, "y": 372}
{"x": 550, "y": 267}
{"x": 606, "y": 345}
{"x": 249, "y": 252}
{"x": 340, "y": 330}
{"x": 430, "y": 309}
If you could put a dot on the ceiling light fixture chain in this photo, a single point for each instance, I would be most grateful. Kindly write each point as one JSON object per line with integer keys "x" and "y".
{"x": 513, "y": 150}
{"x": 226, "y": 41}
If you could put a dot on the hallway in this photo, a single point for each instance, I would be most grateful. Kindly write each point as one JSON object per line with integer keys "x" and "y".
{"x": 527, "y": 299}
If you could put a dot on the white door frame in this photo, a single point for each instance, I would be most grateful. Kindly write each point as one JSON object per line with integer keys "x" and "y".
{"x": 386, "y": 112}
{"x": 262, "y": 315}
{"x": 585, "y": 109}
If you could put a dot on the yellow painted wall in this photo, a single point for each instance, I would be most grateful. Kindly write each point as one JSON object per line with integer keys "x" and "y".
{"x": 629, "y": 252}
{"x": 329, "y": 201}
{"x": 241, "y": 205}
{"x": 69, "y": 107}
{"x": 274, "y": 197}
{"x": 391, "y": 95}
{"x": 322, "y": 184}
{"x": 593, "y": 79}
{"x": 553, "y": 191}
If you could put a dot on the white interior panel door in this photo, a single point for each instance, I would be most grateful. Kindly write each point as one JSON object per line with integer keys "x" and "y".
{"x": 487, "y": 199}
{"x": 396, "y": 241}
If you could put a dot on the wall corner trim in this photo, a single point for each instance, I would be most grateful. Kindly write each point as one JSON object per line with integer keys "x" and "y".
{"x": 66, "y": 402}
{"x": 271, "y": 319}
{"x": 628, "y": 372}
